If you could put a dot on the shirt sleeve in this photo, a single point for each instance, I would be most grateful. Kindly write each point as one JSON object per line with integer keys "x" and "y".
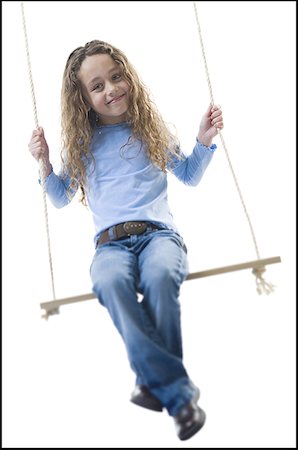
{"x": 56, "y": 188}
{"x": 190, "y": 169}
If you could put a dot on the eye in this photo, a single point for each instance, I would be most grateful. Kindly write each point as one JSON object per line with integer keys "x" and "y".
{"x": 97, "y": 87}
{"x": 116, "y": 76}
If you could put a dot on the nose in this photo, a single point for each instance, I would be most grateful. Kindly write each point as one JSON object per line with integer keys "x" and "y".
{"x": 111, "y": 89}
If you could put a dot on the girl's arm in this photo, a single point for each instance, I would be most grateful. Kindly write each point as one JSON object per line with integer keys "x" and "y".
{"x": 190, "y": 169}
{"x": 56, "y": 185}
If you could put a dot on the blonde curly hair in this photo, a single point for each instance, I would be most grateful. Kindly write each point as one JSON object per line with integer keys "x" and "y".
{"x": 78, "y": 120}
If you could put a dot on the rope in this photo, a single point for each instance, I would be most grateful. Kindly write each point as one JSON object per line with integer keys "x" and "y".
{"x": 41, "y": 160}
{"x": 262, "y": 285}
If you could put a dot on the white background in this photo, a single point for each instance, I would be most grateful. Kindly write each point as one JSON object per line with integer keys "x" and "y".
{"x": 67, "y": 382}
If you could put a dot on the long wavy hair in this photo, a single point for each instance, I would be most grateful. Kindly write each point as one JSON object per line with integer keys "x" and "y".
{"x": 78, "y": 120}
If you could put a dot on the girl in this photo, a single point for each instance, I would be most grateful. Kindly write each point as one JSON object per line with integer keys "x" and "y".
{"x": 117, "y": 150}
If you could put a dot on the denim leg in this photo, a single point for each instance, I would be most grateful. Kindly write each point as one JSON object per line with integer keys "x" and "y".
{"x": 163, "y": 267}
{"x": 115, "y": 276}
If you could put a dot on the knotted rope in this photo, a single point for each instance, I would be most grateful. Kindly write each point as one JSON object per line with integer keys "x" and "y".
{"x": 262, "y": 285}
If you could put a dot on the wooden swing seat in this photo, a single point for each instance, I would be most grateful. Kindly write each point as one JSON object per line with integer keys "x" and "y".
{"x": 52, "y": 307}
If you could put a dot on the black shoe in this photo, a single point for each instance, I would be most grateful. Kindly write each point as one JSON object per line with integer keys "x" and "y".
{"x": 141, "y": 396}
{"x": 189, "y": 421}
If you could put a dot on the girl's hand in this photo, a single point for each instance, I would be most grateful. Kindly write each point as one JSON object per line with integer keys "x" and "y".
{"x": 211, "y": 122}
{"x": 38, "y": 148}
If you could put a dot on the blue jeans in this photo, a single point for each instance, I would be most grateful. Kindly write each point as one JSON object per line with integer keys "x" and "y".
{"x": 153, "y": 264}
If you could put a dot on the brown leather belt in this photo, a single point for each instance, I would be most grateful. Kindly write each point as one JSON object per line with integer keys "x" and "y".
{"x": 125, "y": 229}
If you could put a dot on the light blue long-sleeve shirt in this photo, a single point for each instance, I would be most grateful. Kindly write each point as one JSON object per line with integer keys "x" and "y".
{"x": 124, "y": 185}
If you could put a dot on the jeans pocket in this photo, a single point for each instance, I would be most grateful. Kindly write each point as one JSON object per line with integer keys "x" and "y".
{"x": 181, "y": 242}
{"x": 183, "y": 246}
{"x": 176, "y": 237}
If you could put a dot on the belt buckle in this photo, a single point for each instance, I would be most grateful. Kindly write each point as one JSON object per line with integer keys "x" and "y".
{"x": 135, "y": 227}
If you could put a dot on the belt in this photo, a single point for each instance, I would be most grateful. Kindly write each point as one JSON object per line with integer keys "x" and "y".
{"x": 125, "y": 229}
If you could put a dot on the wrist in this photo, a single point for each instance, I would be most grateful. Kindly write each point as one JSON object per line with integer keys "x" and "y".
{"x": 205, "y": 142}
{"x": 48, "y": 170}
{"x": 45, "y": 167}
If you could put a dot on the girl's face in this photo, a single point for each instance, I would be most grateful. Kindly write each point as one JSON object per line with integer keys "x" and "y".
{"x": 104, "y": 88}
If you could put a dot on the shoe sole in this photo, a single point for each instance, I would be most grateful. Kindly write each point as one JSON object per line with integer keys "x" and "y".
{"x": 147, "y": 405}
{"x": 195, "y": 428}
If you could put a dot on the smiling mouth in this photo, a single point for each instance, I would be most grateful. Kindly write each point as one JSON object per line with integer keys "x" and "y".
{"x": 114, "y": 100}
